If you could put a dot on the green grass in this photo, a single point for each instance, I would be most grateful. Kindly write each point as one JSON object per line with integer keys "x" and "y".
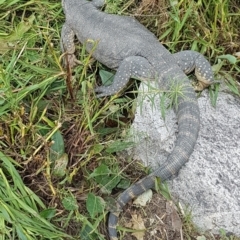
{"x": 60, "y": 141}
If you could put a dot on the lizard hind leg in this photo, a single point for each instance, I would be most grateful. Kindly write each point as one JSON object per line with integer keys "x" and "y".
{"x": 191, "y": 60}
{"x": 203, "y": 72}
{"x": 131, "y": 67}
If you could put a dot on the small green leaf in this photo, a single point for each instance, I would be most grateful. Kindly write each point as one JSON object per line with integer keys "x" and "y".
{"x": 57, "y": 149}
{"x": 114, "y": 108}
{"x": 106, "y": 178}
{"x": 102, "y": 170}
{"x": 229, "y": 57}
{"x": 216, "y": 68}
{"x": 95, "y": 205}
{"x": 124, "y": 184}
{"x": 87, "y": 233}
{"x": 70, "y": 203}
{"x": 214, "y": 90}
{"x": 118, "y": 145}
{"x": 18, "y": 33}
{"x": 105, "y": 131}
{"x": 97, "y": 148}
{"x": 108, "y": 183}
{"x": 106, "y": 77}
{"x": 163, "y": 188}
{"x": 231, "y": 83}
{"x": 60, "y": 166}
{"x": 48, "y": 213}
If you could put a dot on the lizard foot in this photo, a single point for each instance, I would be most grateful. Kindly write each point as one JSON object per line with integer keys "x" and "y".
{"x": 104, "y": 91}
{"x": 200, "y": 86}
{"x": 71, "y": 61}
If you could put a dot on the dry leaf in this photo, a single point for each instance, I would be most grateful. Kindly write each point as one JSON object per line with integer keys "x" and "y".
{"x": 138, "y": 224}
{"x": 127, "y": 224}
{"x": 144, "y": 198}
{"x": 176, "y": 220}
{"x": 237, "y": 54}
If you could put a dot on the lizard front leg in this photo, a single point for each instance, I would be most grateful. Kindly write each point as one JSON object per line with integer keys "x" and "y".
{"x": 131, "y": 67}
{"x": 67, "y": 46}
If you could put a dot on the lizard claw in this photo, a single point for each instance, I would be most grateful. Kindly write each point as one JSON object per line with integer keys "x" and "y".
{"x": 71, "y": 61}
{"x": 101, "y": 91}
{"x": 104, "y": 91}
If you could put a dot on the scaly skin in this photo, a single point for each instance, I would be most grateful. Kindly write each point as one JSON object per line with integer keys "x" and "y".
{"x": 128, "y": 47}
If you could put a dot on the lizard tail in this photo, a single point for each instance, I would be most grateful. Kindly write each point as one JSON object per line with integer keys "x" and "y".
{"x": 188, "y": 128}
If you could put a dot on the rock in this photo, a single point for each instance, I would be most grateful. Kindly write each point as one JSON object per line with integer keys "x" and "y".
{"x": 209, "y": 184}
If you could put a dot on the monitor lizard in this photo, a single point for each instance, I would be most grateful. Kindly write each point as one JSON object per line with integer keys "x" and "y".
{"x": 125, "y": 45}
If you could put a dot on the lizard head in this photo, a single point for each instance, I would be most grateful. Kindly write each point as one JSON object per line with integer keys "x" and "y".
{"x": 98, "y": 3}
{"x": 72, "y": 3}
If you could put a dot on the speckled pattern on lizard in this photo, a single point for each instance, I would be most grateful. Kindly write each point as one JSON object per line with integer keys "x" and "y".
{"x": 123, "y": 44}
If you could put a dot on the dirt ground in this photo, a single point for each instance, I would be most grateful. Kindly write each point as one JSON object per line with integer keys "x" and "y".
{"x": 159, "y": 219}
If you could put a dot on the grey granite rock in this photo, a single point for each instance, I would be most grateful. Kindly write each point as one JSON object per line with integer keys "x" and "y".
{"x": 209, "y": 184}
